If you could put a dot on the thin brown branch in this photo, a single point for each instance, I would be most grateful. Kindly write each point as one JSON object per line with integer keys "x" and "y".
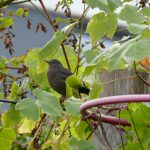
{"x": 8, "y": 101}
{"x": 63, "y": 131}
{"x": 103, "y": 130}
{"x": 140, "y": 143}
{"x": 24, "y": 1}
{"x": 110, "y": 81}
{"x": 144, "y": 81}
{"x": 37, "y": 130}
{"x": 49, "y": 131}
{"x": 80, "y": 40}
{"x": 120, "y": 132}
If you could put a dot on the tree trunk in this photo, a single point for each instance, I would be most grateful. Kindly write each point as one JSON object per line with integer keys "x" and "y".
{"x": 119, "y": 82}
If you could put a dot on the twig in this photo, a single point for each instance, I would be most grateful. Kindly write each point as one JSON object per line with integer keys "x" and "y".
{"x": 100, "y": 43}
{"x": 144, "y": 81}
{"x": 37, "y": 130}
{"x": 120, "y": 132}
{"x": 24, "y": 1}
{"x": 49, "y": 132}
{"x": 80, "y": 38}
{"x": 110, "y": 81}
{"x": 135, "y": 130}
{"x": 103, "y": 130}
{"x": 89, "y": 135}
{"x": 63, "y": 132}
{"x": 94, "y": 130}
{"x": 83, "y": 15}
{"x": 7, "y": 101}
{"x": 52, "y": 24}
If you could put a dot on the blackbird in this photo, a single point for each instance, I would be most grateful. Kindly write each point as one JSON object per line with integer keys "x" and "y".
{"x": 57, "y": 74}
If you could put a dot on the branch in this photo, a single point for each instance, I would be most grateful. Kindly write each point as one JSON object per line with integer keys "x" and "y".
{"x": 8, "y": 101}
{"x": 24, "y": 1}
{"x": 144, "y": 81}
{"x": 136, "y": 130}
{"x": 80, "y": 40}
{"x": 63, "y": 132}
{"x": 36, "y": 130}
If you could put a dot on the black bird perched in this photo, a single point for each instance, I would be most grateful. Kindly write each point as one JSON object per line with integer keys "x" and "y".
{"x": 57, "y": 74}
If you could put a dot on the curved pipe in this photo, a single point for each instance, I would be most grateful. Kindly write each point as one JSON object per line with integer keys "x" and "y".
{"x": 112, "y": 100}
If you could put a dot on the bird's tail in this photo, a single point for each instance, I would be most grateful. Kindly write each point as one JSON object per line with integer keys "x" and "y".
{"x": 84, "y": 90}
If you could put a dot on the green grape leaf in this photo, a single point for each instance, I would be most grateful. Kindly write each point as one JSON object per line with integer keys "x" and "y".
{"x": 102, "y": 24}
{"x": 48, "y": 102}
{"x": 95, "y": 91}
{"x": 19, "y": 12}
{"x": 146, "y": 11}
{"x": 7, "y": 136}
{"x": 6, "y": 22}
{"x": 137, "y": 28}
{"x": 130, "y": 14}
{"x": 26, "y": 126}
{"x": 139, "y": 49}
{"x": 14, "y": 91}
{"x": 37, "y": 70}
{"x": 89, "y": 68}
{"x": 72, "y": 106}
{"x": 3, "y": 60}
{"x": 114, "y": 57}
{"x": 51, "y": 46}
{"x": 72, "y": 85}
{"x": 12, "y": 118}
{"x": 105, "y": 5}
{"x": 28, "y": 108}
{"x": 90, "y": 55}
{"x": 112, "y": 5}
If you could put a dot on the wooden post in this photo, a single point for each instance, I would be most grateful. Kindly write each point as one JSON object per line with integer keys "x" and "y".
{"x": 119, "y": 82}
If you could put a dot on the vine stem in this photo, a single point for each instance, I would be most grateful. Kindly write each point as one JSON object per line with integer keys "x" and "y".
{"x": 80, "y": 40}
{"x": 54, "y": 28}
{"x": 110, "y": 81}
{"x": 49, "y": 132}
{"x": 63, "y": 132}
{"x": 8, "y": 101}
{"x": 143, "y": 80}
{"x": 135, "y": 130}
{"x": 120, "y": 132}
{"x": 37, "y": 130}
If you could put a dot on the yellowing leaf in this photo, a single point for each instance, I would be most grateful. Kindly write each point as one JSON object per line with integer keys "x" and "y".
{"x": 7, "y": 136}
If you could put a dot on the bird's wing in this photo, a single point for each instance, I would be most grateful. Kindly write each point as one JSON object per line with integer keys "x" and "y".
{"x": 64, "y": 73}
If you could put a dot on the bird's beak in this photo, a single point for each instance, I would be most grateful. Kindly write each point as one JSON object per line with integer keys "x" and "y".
{"x": 46, "y": 61}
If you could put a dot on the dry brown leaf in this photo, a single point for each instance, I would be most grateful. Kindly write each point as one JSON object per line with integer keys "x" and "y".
{"x": 145, "y": 62}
